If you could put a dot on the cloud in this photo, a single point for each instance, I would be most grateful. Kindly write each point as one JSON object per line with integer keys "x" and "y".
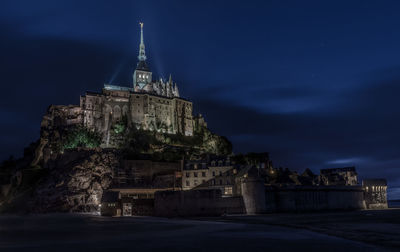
{"x": 361, "y": 131}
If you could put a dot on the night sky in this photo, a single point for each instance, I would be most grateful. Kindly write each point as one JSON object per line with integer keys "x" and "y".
{"x": 314, "y": 83}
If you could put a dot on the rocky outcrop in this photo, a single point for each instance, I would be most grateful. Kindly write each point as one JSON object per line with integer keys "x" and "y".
{"x": 75, "y": 182}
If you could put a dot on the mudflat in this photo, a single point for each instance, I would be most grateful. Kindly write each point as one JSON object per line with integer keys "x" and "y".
{"x": 342, "y": 231}
{"x": 378, "y": 227}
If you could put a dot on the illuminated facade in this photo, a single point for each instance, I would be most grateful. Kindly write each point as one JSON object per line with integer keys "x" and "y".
{"x": 148, "y": 104}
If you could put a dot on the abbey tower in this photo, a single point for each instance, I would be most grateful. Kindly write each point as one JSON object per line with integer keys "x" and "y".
{"x": 146, "y": 104}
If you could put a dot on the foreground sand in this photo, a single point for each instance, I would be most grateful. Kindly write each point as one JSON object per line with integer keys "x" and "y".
{"x": 377, "y": 227}
{"x": 345, "y": 231}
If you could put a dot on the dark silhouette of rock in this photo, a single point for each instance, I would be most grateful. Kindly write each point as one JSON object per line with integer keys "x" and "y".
{"x": 76, "y": 182}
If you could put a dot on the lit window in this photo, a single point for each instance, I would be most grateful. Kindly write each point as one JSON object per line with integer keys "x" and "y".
{"x": 228, "y": 190}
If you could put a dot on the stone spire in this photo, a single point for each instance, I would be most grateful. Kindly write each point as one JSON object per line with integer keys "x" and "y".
{"x": 176, "y": 90}
{"x": 142, "y": 54}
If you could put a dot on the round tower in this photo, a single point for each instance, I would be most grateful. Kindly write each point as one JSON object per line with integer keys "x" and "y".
{"x": 253, "y": 193}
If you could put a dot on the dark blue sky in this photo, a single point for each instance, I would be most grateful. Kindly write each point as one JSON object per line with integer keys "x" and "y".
{"x": 315, "y": 83}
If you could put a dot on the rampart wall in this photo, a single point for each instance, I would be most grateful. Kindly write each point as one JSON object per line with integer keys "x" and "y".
{"x": 314, "y": 198}
{"x": 207, "y": 202}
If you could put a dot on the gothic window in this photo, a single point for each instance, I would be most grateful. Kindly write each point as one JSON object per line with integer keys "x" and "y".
{"x": 117, "y": 112}
{"x": 124, "y": 110}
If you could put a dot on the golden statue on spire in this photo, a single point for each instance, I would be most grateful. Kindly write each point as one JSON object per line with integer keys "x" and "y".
{"x": 141, "y": 24}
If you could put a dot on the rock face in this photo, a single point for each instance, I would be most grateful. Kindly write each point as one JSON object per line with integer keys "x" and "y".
{"x": 75, "y": 182}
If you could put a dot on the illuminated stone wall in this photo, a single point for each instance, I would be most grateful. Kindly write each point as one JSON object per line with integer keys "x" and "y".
{"x": 142, "y": 110}
{"x": 375, "y": 193}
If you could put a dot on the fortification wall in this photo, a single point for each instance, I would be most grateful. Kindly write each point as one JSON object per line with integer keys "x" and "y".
{"x": 314, "y": 198}
{"x": 195, "y": 203}
{"x": 231, "y": 205}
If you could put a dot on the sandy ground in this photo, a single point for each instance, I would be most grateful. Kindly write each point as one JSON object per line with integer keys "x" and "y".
{"x": 305, "y": 232}
{"x": 377, "y": 227}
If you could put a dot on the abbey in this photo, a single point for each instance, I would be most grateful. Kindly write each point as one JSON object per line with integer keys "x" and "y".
{"x": 148, "y": 104}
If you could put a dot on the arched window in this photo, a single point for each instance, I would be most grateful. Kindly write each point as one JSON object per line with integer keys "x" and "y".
{"x": 117, "y": 113}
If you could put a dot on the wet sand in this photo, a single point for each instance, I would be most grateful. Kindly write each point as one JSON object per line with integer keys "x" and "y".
{"x": 377, "y": 227}
{"x": 379, "y": 231}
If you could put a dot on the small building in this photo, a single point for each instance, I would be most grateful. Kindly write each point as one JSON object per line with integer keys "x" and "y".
{"x": 130, "y": 201}
{"x": 375, "y": 193}
{"x": 110, "y": 204}
{"x": 212, "y": 173}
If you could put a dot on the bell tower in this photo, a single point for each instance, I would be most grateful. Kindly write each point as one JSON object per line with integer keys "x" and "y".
{"x": 142, "y": 75}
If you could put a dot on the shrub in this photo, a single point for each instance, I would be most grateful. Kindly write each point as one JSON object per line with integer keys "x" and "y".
{"x": 81, "y": 137}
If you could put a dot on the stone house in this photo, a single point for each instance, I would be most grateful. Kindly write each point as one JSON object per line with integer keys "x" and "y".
{"x": 213, "y": 173}
{"x": 375, "y": 193}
